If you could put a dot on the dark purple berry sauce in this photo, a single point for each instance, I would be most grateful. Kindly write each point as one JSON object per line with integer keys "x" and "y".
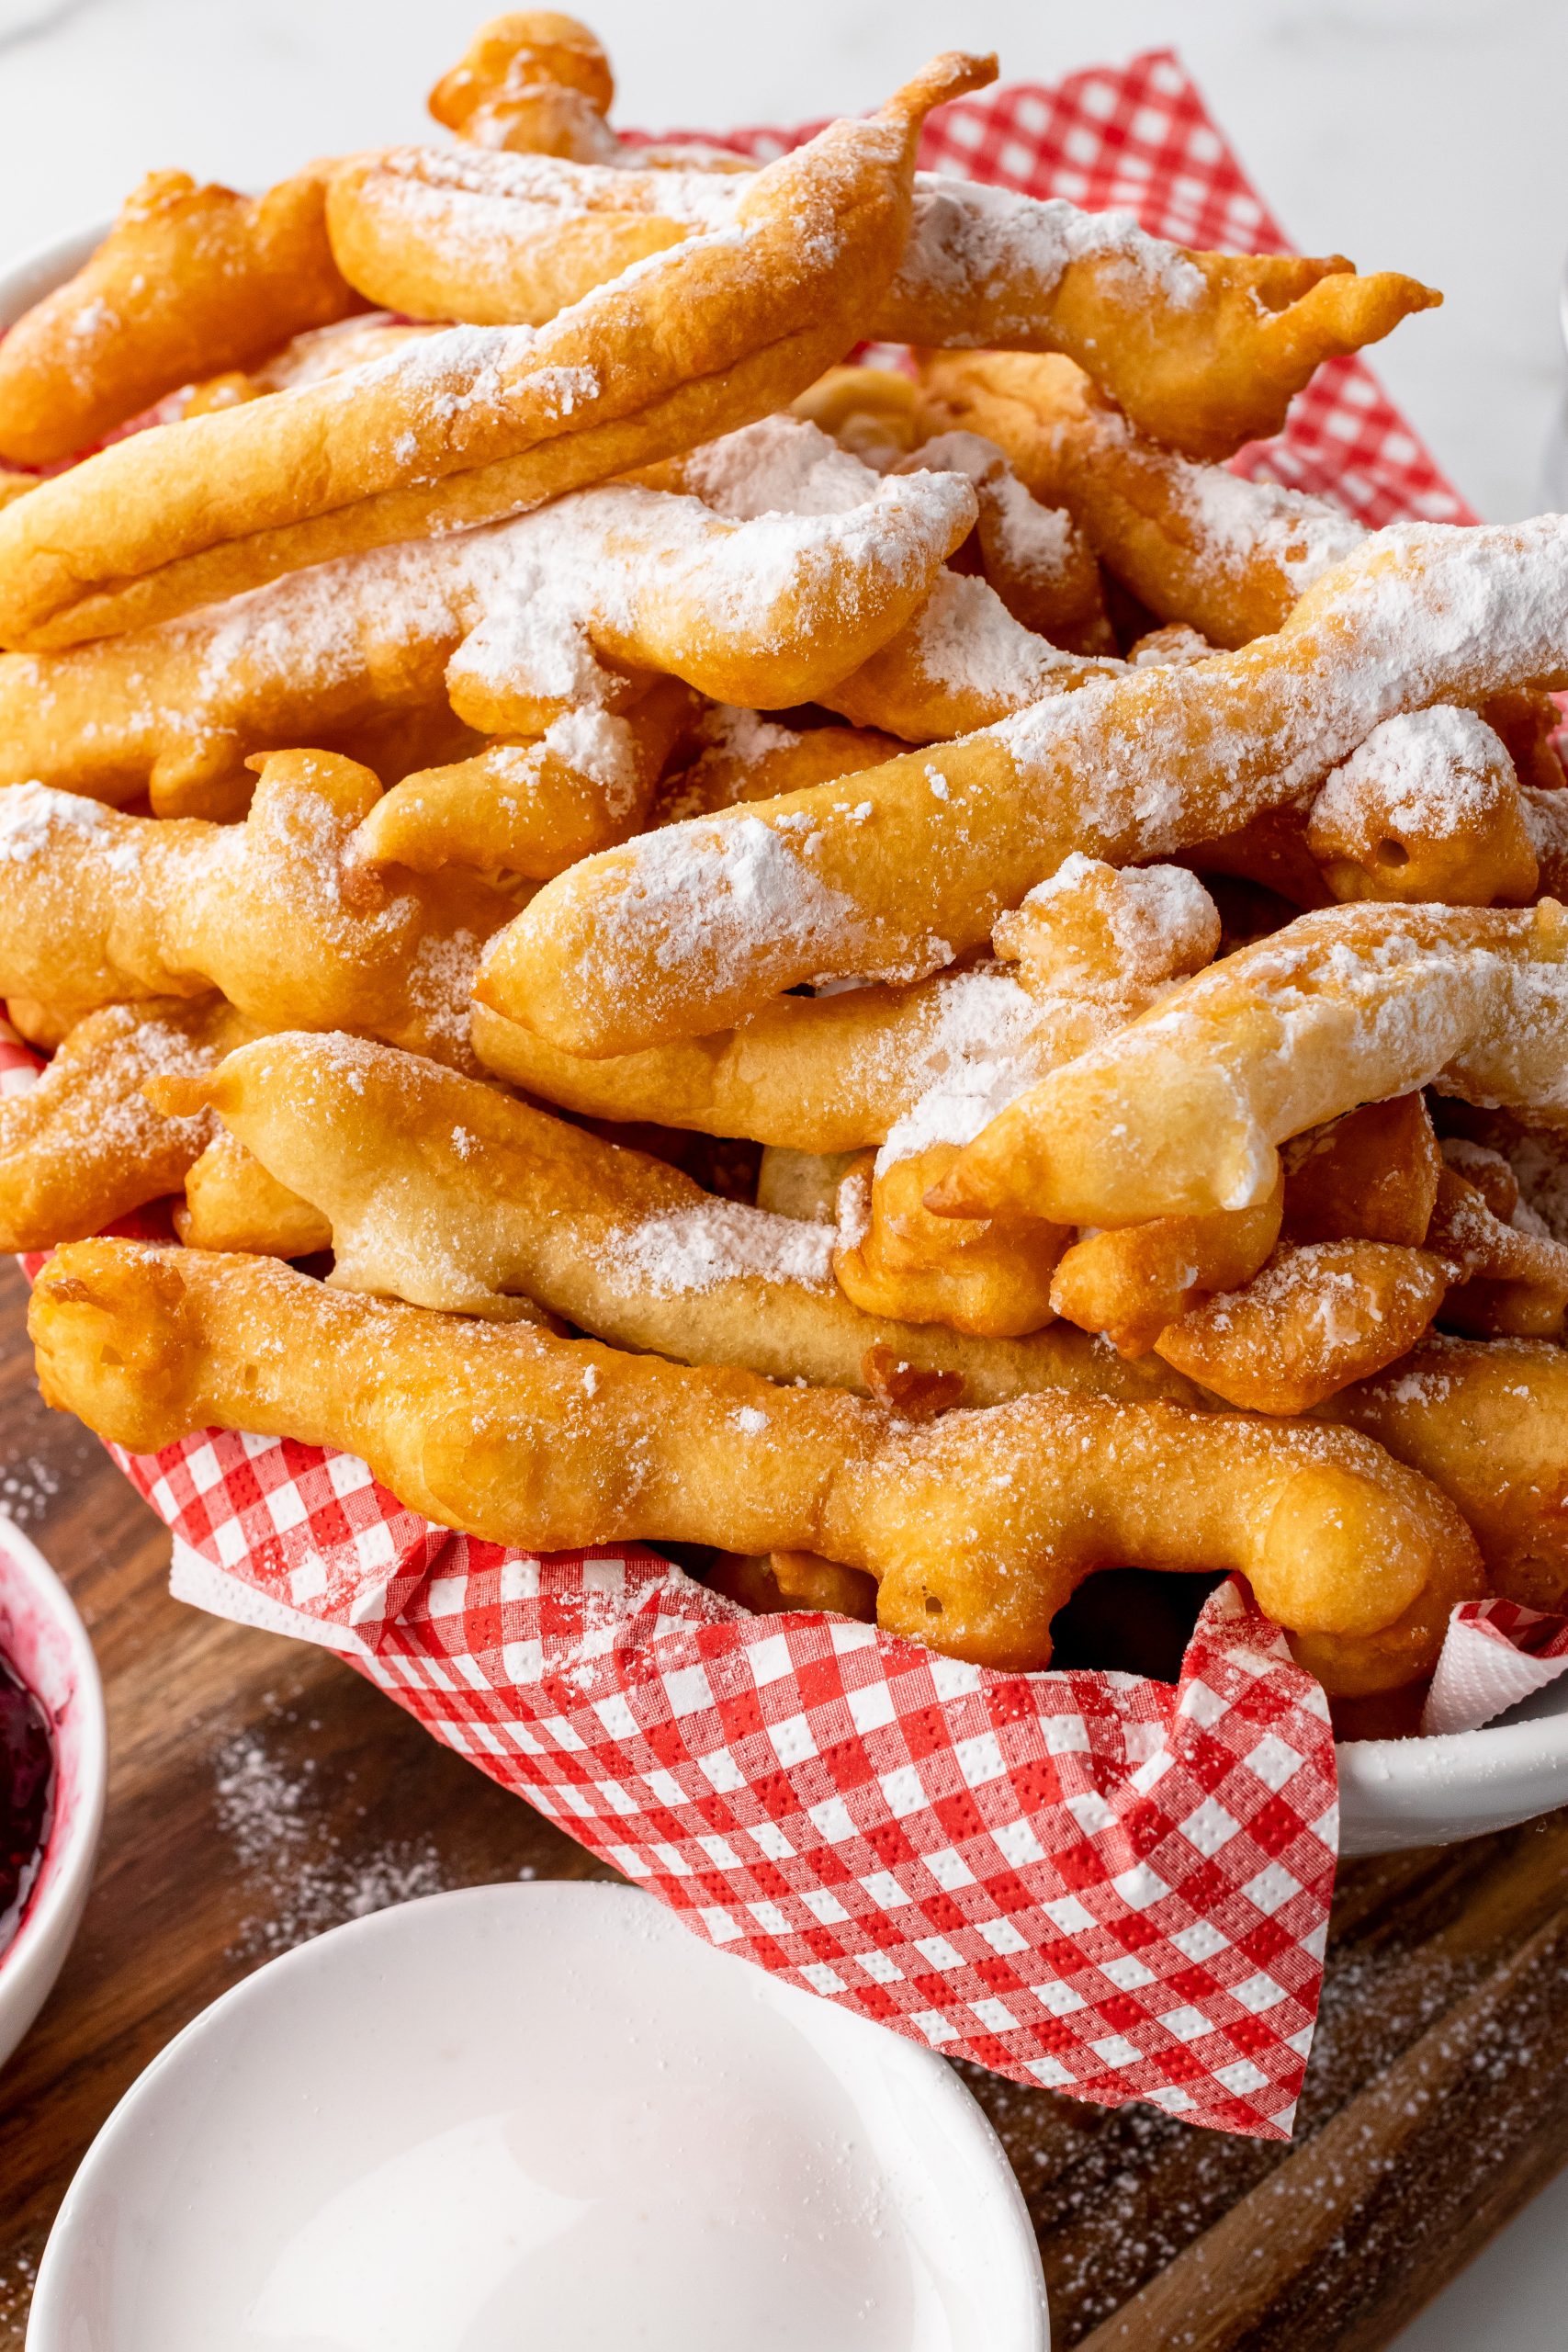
{"x": 27, "y": 1797}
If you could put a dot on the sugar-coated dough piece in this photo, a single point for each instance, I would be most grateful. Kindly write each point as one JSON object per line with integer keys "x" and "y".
{"x": 741, "y": 755}
{"x": 904, "y": 1067}
{"x": 188, "y": 280}
{"x": 536, "y": 807}
{"x": 892, "y": 1257}
{"x": 1428, "y": 807}
{"x": 692, "y": 929}
{"x": 1319, "y": 1316}
{"x": 104, "y": 908}
{"x": 977, "y": 1526}
{"x": 232, "y": 1202}
{"x": 481, "y": 422}
{"x": 447, "y": 1192}
{"x": 518, "y": 621}
{"x": 534, "y": 81}
{"x": 1034, "y": 556}
{"x": 1132, "y": 1281}
{"x": 1204, "y": 350}
{"x": 1508, "y": 1280}
{"x": 84, "y": 1145}
{"x": 1488, "y": 1423}
{"x": 1196, "y": 543}
{"x": 1181, "y": 1112}
{"x": 1371, "y": 1175}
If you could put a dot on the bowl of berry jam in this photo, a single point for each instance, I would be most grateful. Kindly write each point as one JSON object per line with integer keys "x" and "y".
{"x": 52, "y": 1772}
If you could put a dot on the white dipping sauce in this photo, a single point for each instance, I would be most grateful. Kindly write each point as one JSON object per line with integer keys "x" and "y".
{"x": 539, "y": 2117}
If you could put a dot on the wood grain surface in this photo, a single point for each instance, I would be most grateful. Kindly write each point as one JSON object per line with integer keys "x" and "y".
{"x": 261, "y": 1791}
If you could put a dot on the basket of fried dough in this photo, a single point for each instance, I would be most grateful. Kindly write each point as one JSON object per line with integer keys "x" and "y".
{"x": 887, "y": 975}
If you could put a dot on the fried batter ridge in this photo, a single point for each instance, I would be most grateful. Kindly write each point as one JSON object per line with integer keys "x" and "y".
{"x": 480, "y": 423}
{"x": 522, "y": 1437}
{"x": 698, "y": 926}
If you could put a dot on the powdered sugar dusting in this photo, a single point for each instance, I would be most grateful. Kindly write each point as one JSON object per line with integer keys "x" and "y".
{"x": 718, "y": 1241}
{"x": 1434, "y": 772}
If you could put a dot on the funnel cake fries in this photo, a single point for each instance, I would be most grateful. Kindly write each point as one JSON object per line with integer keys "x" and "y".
{"x": 188, "y": 280}
{"x": 445, "y": 1192}
{"x": 1204, "y": 350}
{"x": 84, "y": 1145}
{"x": 480, "y": 423}
{"x": 533, "y": 808}
{"x": 1086, "y": 952}
{"x": 1488, "y": 1423}
{"x": 1428, "y": 807}
{"x": 976, "y": 1526}
{"x": 518, "y": 621}
{"x": 1181, "y": 1112}
{"x": 1195, "y": 543}
{"x": 534, "y": 81}
{"x": 694, "y": 928}
{"x": 104, "y": 908}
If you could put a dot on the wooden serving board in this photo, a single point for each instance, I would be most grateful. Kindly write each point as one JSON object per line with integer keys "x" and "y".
{"x": 261, "y": 1790}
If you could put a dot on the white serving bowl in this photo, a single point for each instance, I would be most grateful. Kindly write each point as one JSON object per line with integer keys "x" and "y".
{"x": 545, "y": 2114}
{"x": 1393, "y": 1793}
{"x": 43, "y": 1638}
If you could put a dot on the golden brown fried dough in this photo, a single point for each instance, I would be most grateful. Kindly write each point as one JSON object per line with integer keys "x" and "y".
{"x": 1195, "y": 543}
{"x": 1428, "y": 808}
{"x": 84, "y": 1145}
{"x": 450, "y": 1195}
{"x": 1316, "y": 1318}
{"x": 1182, "y": 1111}
{"x": 1133, "y": 1280}
{"x": 1370, "y": 1176}
{"x": 1204, "y": 350}
{"x": 976, "y": 1526}
{"x": 1488, "y": 1423}
{"x": 1506, "y": 1283}
{"x": 699, "y": 925}
{"x": 480, "y": 423}
{"x": 894, "y": 1258}
{"x": 232, "y": 1202}
{"x": 105, "y": 909}
{"x": 188, "y": 280}
{"x": 533, "y": 81}
{"x": 532, "y": 808}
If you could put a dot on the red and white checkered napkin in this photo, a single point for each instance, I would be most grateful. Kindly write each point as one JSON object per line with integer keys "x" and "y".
{"x": 1088, "y": 1880}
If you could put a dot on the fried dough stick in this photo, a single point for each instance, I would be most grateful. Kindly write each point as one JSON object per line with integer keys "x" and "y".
{"x": 977, "y": 1526}
{"x": 480, "y": 423}
{"x": 1487, "y": 1421}
{"x": 692, "y": 928}
{"x": 84, "y": 1145}
{"x": 533, "y": 81}
{"x": 1195, "y": 543}
{"x": 104, "y": 908}
{"x": 1205, "y": 350}
{"x": 445, "y": 1192}
{"x": 188, "y": 280}
{"x": 525, "y": 622}
{"x": 1087, "y": 950}
{"x": 1182, "y": 1111}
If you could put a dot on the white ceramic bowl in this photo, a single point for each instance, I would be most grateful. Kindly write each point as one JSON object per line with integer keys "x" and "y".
{"x": 545, "y": 2114}
{"x": 1393, "y": 1793}
{"x": 44, "y": 1639}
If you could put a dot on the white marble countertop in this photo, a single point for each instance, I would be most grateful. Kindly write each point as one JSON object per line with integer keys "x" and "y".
{"x": 1425, "y": 135}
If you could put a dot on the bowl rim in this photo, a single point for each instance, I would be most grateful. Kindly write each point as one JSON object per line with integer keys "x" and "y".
{"x": 71, "y": 1848}
{"x": 116, "y": 2136}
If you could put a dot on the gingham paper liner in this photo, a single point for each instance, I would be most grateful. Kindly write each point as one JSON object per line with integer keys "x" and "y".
{"x": 1088, "y": 1880}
